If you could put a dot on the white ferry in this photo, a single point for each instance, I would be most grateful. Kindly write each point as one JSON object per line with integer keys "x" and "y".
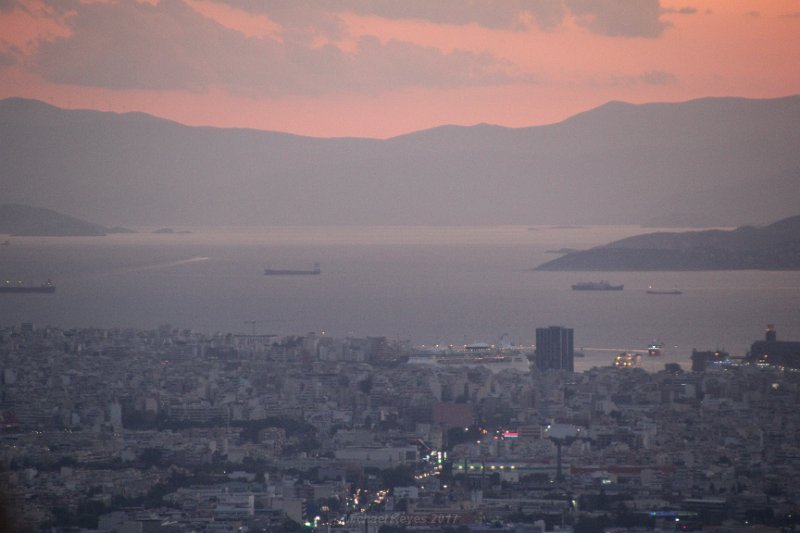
{"x": 472, "y": 355}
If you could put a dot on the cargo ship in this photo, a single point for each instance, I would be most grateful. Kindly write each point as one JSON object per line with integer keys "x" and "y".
{"x": 601, "y": 285}
{"x": 651, "y": 290}
{"x": 17, "y": 287}
{"x": 280, "y": 272}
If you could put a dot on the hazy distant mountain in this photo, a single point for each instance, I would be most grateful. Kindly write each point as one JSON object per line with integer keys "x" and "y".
{"x": 723, "y": 161}
{"x": 774, "y": 247}
{"x": 33, "y": 221}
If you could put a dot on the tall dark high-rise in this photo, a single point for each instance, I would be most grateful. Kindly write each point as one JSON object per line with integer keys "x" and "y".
{"x": 555, "y": 349}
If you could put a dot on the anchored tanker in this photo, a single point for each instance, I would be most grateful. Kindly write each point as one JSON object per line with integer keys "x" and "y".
{"x": 17, "y": 287}
{"x": 601, "y": 285}
{"x": 651, "y": 290}
{"x": 279, "y": 272}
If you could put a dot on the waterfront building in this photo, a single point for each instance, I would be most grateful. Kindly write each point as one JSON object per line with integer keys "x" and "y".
{"x": 774, "y": 352}
{"x": 555, "y": 349}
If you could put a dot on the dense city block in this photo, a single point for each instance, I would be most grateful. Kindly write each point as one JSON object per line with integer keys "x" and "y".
{"x": 171, "y": 430}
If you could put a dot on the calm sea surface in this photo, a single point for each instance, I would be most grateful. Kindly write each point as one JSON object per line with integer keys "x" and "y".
{"x": 424, "y": 284}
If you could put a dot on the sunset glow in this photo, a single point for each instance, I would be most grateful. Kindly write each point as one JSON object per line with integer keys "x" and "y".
{"x": 382, "y": 69}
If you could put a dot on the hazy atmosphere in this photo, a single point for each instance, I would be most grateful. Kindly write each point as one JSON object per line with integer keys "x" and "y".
{"x": 392, "y": 266}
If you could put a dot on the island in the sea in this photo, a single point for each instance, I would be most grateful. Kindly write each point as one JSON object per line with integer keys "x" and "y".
{"x": 170, "y": 231}
{"x": 772, "y": 247}
{"x": 28, "y": 221}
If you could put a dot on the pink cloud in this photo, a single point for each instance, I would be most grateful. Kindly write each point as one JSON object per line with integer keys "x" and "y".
{"x": 171, "y": 46}
{"x": 620, "y": 17}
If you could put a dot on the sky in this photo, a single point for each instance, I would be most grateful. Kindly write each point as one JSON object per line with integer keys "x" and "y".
{"x": 380, "y": 68}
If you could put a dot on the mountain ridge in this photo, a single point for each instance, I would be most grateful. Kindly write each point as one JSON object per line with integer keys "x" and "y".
{"x": 615, "y": 164}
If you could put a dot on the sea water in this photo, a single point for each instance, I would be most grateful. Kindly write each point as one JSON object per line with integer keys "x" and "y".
{"x": 427, "y": 285}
